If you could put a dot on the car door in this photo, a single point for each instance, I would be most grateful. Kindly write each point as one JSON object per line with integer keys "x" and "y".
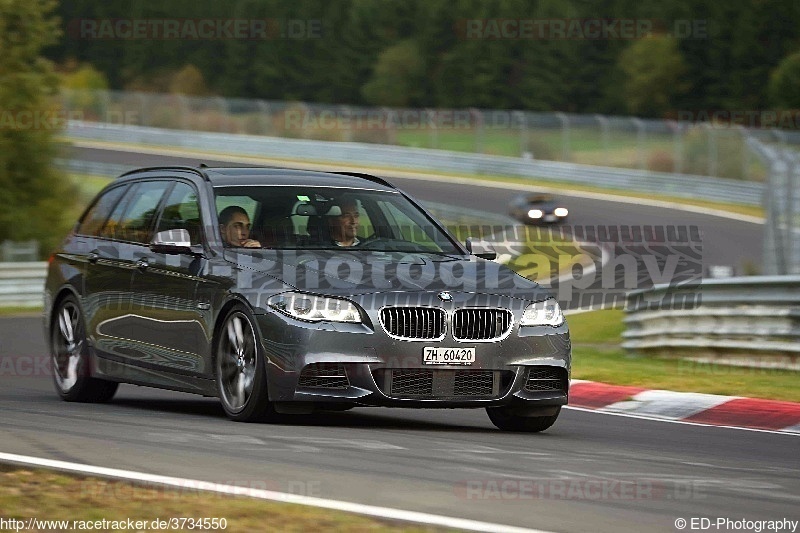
{"x": 165, "y": 313}
{"x": 129, "y": 226}
{"x": 108, "y": 271}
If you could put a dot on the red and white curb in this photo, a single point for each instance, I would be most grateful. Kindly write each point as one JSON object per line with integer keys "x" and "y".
{"x": 691, "y": 407}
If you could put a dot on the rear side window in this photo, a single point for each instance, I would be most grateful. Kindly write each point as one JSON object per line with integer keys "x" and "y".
{"x": 134, "y": 216}
{"x": 96, "y": 216}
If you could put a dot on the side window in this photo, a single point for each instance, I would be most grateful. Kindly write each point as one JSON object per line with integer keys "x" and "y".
{"x": 111, "y": 229}
{"x": 182, "y": 211}
{"x": 94, "y": 218}
{"x": 134, "y": 220}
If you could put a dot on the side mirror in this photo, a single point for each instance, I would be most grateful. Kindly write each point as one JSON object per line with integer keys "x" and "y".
{"x": 480, "y": 249}
{"x": 173, "y": 242}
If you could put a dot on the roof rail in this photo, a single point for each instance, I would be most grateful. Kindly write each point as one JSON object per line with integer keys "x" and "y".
{"x": 369, "y": 177}
{"x": 198, "y": 171}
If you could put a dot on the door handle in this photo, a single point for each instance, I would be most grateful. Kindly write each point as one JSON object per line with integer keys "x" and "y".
{"x": 142, "y": 264}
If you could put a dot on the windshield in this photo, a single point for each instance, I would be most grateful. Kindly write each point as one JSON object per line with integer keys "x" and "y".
{"x": 305, "y": 217}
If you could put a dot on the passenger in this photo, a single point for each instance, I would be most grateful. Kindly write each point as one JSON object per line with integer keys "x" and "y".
{"x": 343, "y": 228}
{"x": 234, "y": 224}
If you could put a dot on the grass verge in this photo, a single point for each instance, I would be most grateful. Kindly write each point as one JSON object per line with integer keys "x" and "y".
{"x": 12, "y": 311}
{"x": 597, "y": 357}
{"x": 48, "y": 495}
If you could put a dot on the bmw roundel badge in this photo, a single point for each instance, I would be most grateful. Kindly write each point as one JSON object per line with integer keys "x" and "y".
{"x": 445, "y": 296}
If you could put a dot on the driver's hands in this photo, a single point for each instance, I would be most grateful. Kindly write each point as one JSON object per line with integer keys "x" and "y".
{"x": 250, "y": 243}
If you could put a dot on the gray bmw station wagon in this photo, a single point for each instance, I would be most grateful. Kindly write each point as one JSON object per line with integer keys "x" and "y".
{"x": 288, "y": 291}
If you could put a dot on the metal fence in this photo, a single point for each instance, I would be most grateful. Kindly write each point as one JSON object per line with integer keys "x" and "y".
{"x": 674, "y": 146}
{"x": 732, "y": 319}
{"x": 14, "y": 251}
{"x": 22, "y": 284}
{"x": 362, "y": 154}
{"x": 782, "y": 208}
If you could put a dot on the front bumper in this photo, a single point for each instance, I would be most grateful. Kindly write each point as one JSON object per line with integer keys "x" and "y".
{"x": 360, "y": 364}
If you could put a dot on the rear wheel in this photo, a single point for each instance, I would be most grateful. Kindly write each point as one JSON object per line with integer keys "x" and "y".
{"x": 504, "y": 418}
{"x": 240, "y": 369}
{"x": 70, "y": 357}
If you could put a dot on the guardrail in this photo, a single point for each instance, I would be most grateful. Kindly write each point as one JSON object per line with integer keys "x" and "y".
{"x": 747, "y": 316}
{"x": 22, "y": 284}
{"x": 19, "y": 251}
{"x": 384, "y": 156}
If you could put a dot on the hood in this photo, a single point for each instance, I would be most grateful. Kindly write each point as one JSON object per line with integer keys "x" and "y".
{"x": 355, "y": 272}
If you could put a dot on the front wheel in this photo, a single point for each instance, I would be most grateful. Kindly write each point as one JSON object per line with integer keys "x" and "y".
{"x": 240, "y": 369}
{"x": 505, "y": 419}
{"x": 70, "y": 358}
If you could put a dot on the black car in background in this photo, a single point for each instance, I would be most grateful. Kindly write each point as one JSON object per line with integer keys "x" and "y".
{"x": 146, "y": 290}
{"x": 538, "y": 209}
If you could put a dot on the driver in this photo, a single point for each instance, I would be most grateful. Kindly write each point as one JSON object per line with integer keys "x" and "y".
{"x": 343, "y": 228}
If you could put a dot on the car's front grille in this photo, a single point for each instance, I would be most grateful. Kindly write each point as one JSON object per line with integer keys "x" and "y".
{"x": 443, "y": 384}
{"x": 324, "y": 376}
{"x": 546, "y": 378}
{"x": 413, "y": 322}
{"x": 412, "y": 382}
{"x": 481, "y": 324}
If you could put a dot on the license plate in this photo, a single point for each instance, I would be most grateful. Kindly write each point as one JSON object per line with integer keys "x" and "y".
{"x": 447, "y": 356}
{"x": 549, "y": 218}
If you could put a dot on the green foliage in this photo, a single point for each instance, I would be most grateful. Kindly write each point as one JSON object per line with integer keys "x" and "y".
{"x": 654, "y": 75}
{"x": 85, "y": 77}
{"x": 416, "y": 52}
{"x": 188, "y": 80}
{"x": 397, "y": 78}
{"x": 33, "y": 195}
{"x": 784, "y": 83}
{"x": 80, "y": 84}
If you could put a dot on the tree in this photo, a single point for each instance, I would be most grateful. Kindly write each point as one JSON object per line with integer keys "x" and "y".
{"x": 654, "y": 75}
{"x": 80, "y": 84}
{"x": 784, "y": 83}
{"x": 33, "y": 195}
{"x": 397, "y": 78}
{"x": 188, "y": 80}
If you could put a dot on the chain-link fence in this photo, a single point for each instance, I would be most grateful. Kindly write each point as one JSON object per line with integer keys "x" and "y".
{"x": 683, "y": 147}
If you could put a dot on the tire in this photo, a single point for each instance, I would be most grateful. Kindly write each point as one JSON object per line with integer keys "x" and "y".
{"x": 69, "y": 356}
{"x": 240, "y": 369}
{"x": 503, "y": 419}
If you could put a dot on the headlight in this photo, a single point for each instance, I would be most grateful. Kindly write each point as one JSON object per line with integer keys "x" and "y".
{"x": 561, "y": 212}
{"x": 315, "y": 308}
{"x": 535, "y": 213}
{"x": 546, "y": 313}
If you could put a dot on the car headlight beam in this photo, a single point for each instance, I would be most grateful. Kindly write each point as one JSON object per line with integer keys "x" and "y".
{"x": 312, "y": 308}
{"x": 561, "y": 212}
{"x": 544, "y": 313}
{"x": 535, "y": 213}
